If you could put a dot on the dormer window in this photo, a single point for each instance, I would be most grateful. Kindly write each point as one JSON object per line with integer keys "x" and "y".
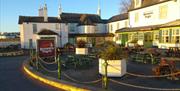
{"x": 136, "y": 17}
{"x": 137, "y": 3}
{"x": 163, "y": 11}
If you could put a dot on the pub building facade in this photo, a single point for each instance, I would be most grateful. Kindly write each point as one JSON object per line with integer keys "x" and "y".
{"x": 152, "y": 23}
{"x": 148, "y": 23}
{"x": 66, "y": 28}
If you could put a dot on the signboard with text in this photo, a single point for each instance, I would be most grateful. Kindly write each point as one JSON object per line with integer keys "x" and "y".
{"x": 46, "y": 48}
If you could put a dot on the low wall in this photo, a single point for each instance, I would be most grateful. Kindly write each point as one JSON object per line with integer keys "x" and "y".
{"x": 17, "y": 53}
{"x": 7, "y": 42}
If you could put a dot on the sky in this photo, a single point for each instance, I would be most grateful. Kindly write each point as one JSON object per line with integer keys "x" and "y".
{"x": 10, "y": 10}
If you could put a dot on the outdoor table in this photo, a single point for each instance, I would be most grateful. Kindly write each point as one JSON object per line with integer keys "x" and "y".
{"x": 173, "y": 51}
{"x": 143, "y": 57}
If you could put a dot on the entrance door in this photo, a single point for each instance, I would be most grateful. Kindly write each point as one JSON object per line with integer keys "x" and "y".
{"x": 124, "y": 39}
{"x": 148, "y": 38}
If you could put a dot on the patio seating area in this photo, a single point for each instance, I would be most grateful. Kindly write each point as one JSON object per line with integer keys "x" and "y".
{"x": 173, "y": 52}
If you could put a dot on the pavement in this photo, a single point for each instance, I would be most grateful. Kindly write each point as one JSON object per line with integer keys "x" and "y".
{"x": 133, "y": 67}
{"x": 12, "y": 77}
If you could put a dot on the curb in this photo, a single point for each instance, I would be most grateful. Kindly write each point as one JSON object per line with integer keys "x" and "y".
{"x": 60, "y": 84}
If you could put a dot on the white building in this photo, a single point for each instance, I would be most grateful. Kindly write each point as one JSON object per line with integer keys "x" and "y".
{"x": 117, "y": 22}
{"x": 148, "y": 24}
{"x": 67, "y": 27}
{"x": 154, "y": 12}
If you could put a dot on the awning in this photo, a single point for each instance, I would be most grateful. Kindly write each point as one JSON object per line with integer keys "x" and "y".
{"x": 137, "y": 29}
{"x": 171, "y": 24}
{"x": 46, "y": 32}
{"x": 150, "y": 28}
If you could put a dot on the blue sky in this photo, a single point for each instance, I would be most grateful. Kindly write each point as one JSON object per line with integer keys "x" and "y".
{"x": 11, "y": 9}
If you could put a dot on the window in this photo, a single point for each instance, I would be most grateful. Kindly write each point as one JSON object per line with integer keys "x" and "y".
{"x": 72, "y": 30}
{"x": 126, "y": 23}
{"x": 166, "y": 32}
{"x": 156, "y": 35}
{"x": 72, "y": 27}
{"x": 167, "y": 39}
{"x": 170, "y": 36}
{"x": 111, "y": 27}
{"x": 177, "y": 32}
{"x": 163, "y": 12}
{"x": 177, "y": 39}
{"x": 176, "y": 35}
{"x": 57, "y": 26}
{"x": 137, "y": 3}
{"x": 88, "y": 29}
{"x": 108, "y": 27}
{"x": 30, "y": 44}
{"x": 136, "y": 17}
{"x": 47, "y": 38}
{"x": 117, "y": 25}
{"x": 34, "y": 28}
{"x": 133, "y": 37}
{"x": 140, "y": 36}
{"x": 119, "y": 36}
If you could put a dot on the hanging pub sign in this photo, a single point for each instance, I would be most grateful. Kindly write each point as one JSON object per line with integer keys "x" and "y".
{"x": 46, "y": 48}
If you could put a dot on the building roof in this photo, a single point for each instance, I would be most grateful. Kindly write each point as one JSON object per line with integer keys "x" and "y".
{"x": 149, "y": 28}
{"x": 118, "y": 17}
{"x": 46, "y": 32}
{"x": 82, "y": 19}
{"x": 37, "y": 19}
{"x": 134, "y": 29}
{"x": 147, "y": 3}
{"x": 92, "y": 35}
{"x": 171, "y": 24}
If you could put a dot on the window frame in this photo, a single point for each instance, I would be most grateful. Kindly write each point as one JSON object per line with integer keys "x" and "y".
{"x": 163, "y": 12}
{"x": 34, "y": 26}
{"x": 136, "y": 19}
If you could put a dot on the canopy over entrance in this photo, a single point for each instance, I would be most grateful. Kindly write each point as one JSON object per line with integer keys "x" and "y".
{"x": 47, "y": 32}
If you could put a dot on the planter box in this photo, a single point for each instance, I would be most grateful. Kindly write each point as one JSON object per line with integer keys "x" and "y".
{"x": 82, "y": 51}
{"x": 131, "y": 44}
{"x": 115, "y": 68}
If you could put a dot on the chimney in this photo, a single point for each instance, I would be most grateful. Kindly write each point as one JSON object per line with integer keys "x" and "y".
{"x": 45, "y": 13}
{"x": 138, "y": 3}
{"x": 59, "y": 10}
{"x": 40, "y": 11}
{"x": 99, "y": 9}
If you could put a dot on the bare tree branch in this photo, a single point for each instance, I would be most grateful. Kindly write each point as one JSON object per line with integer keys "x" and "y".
{"x": 125, "y": 5}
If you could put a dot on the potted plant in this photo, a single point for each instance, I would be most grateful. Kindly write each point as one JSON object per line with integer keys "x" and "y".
{"x": 81, "y": 47}
{"x": 114, "y": 56}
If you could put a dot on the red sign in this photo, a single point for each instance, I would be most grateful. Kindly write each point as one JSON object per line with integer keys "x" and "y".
{"x": 46, "y": 48}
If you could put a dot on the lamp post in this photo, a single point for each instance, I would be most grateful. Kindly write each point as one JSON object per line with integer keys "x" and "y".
{"x": 59, "y": 64}
{"x": 58, "y": 54}
{"x": 105, "y": 78}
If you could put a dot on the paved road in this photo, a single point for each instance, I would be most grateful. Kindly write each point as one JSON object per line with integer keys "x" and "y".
{"x": 12, "y": 77}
